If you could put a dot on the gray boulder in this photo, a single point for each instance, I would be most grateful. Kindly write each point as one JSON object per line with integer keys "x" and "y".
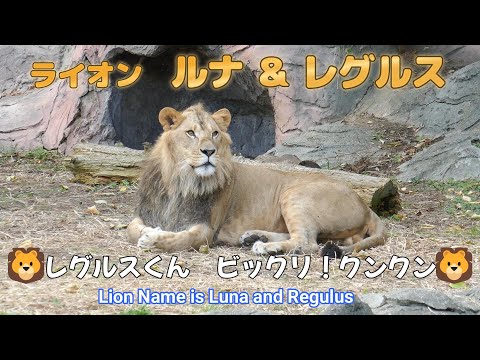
{"x": 413, "y": 301}
{"x": 456, "y": 157}
{"x": 330, "y": 145}
{"x": 357, "y": 308}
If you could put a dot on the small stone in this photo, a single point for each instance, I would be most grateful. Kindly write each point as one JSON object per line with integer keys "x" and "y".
{"x": 92, "y": 210}
{"x": 373, "y": 300}
{"x": 72, "y": 289}
{"x": 357, "y": 308}
{"x": 101, "y": 202}
{"x": 467, "y": 198}
{"x": 181, "y": 263}
{"x": 204, "y": 249}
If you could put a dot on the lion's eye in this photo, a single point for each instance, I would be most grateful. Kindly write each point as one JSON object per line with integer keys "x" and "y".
{"x": 458, "y": 263}
{"x": 449, "y": 263}
{"x": 31, "y": 263}
{"x": 215, "y": 134}
{"x": 191, "y": 133}
{"x": 21, "y": 263}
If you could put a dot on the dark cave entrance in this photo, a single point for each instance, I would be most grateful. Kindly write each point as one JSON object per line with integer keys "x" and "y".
{"x": 134, "y": 110}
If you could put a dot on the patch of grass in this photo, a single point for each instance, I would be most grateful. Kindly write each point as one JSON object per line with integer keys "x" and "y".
{"x": 420, "y": 138}
{"x": 456, "y": 190}
{"x": 451, "y": 206}
{"x": 464, "y": 186}
{"x": 397, "y": 217}
{"x": 113, "y": 185}
{"x": 378, "y": 136}
{"x": 8, "y": 153}
{"x": 476, "y": 143}
{"x": 398, "y": 158}
{"x": 50, "y": 166}
{"x": 38, "y": 154}
{"x": 473, "y": 231}
{"x": 142, "y": 310}
{"x": 465, "y": 206}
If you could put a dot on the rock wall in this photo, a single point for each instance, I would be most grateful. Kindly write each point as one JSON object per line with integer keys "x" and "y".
{"x": 302, "y": 122}
{"x": 58, "y": 117}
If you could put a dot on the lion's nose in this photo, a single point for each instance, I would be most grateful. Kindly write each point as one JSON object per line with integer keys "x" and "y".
{"x": 208, "y": 152}
{"x": 453, "y": 268}
{"x": 26, "y": 268}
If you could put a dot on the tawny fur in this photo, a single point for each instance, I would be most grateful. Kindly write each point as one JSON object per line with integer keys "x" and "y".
{"x": 184, "y": 204}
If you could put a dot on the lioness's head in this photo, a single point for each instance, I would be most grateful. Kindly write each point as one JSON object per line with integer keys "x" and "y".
{"x": 195, "y": 149}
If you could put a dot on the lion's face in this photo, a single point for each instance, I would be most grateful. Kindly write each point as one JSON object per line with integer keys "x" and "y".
{"x": 26, "y": 264}
{"x": 199, "y": 143}
{"x": 454, "y": 264}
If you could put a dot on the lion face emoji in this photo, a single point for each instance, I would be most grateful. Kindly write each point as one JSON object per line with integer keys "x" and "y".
{"x": 455, "y": 265}
{"x": 25, "y": 265}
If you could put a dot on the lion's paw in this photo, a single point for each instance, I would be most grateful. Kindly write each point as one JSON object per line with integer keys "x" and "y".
{"x": 147, "y": 240}
{"x": 261, "y": 248}
{"x": 250, "y": 237}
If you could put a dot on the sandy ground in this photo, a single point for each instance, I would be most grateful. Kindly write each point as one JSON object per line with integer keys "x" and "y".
{"x": 38, "y": 203}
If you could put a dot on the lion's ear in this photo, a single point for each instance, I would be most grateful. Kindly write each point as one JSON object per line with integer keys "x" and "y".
{"x": 18, "y": 252}
{"x": 33, "y": 252}
{"x": 222, "y": 117}
{"x": 461, "y": 252}
{"x": 446, "y": 252}
{"x": 169, "y": 118}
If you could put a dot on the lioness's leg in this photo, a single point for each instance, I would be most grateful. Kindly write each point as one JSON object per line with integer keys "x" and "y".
{"x": 252, "y": 236}
{"x": 302, "y": 233}
{"x": 168, "y": 241}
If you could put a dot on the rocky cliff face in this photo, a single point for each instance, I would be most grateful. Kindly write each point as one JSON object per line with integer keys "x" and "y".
{"x": 58, "y": 117}
{"x": 319, "y": 125}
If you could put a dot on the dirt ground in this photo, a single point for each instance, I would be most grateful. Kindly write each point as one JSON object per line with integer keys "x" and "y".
{"x": 38, "y": 203}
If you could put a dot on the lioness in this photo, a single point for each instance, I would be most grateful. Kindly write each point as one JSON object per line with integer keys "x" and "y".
{"x": 192, "y": 193}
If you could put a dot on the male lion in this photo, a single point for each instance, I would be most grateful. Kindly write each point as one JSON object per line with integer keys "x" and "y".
{"x": 192, "y": 193}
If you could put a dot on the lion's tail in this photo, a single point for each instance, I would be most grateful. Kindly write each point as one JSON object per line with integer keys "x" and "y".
{"x": 376, "y": 235}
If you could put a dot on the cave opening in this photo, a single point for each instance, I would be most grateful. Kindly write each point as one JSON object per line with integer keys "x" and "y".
{"x": 134, "y": 110}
